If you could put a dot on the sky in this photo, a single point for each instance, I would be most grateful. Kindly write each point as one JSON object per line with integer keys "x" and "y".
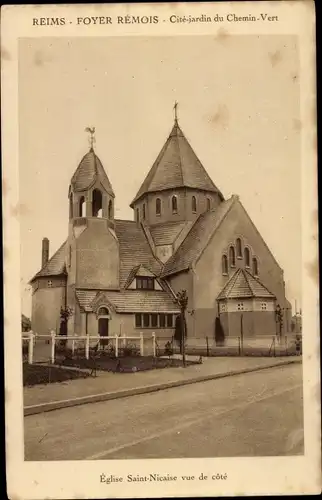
{"x": 239, "y": 107}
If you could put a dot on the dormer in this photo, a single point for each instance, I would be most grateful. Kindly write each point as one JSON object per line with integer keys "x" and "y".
{"x": 142, "y": 278}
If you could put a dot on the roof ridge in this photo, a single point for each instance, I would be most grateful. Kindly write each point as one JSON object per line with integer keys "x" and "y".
{"x": 180, "y": 162}
{"x": 248, "y": 282}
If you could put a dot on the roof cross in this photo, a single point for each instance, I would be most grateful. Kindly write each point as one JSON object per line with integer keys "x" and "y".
{"x": 91, "y": 136}
{"x": 175, "y": 111}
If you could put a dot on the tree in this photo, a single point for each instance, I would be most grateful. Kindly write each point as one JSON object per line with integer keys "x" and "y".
{"x": 182, "y": 301}
{"x": 65, "y": 314}
{"x": 25, "y": 323}
{"x": 219, "y": 332}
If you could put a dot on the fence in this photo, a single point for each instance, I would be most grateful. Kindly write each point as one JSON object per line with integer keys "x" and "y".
{"x": 269, "y": 345}
{"x": 43, "y": 347}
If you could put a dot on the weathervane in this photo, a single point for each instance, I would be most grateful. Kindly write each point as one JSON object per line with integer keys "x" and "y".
{"x": 92, "y": 135}
{"x": 175, "y": 111}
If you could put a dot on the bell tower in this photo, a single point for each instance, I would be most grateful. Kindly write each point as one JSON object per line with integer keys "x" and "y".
{"x": 90, "y": 191}
{"x": 92, "y": 255}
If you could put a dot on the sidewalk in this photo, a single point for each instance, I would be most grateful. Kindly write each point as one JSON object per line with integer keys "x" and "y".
{"x": 108, "y": 385}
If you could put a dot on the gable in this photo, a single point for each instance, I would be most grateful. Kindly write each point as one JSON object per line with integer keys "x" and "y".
{"x": 238, "y": 223}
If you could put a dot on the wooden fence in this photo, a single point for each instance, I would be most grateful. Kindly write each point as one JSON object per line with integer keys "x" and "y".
{"x": 116, "y": 341}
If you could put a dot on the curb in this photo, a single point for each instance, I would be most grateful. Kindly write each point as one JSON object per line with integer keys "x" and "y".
{"x": 107, "y": 396}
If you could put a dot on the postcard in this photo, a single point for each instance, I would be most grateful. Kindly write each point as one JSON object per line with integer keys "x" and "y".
{"x": 160, "y": 250}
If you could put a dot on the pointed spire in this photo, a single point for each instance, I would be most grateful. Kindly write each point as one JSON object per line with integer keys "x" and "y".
{"x": 91, "y": 137}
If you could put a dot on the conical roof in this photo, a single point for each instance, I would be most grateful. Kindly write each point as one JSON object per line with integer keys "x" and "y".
{"x": 243, "y": 285}
{"x": 176, "y": 166}
{"x": 88, "y": 171}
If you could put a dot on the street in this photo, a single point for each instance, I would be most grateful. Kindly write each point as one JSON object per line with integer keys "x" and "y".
{"x": 254, "y": 414}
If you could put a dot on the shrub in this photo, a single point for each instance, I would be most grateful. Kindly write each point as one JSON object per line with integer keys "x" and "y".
{"x": 130, "y": 350}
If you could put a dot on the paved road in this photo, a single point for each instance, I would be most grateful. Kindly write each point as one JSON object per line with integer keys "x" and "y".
{"x": 255, "y": 414}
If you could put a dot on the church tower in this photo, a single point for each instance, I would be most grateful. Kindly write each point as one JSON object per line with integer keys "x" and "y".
{"x": 177, "y": 187}
{"x": 92, "y": 250}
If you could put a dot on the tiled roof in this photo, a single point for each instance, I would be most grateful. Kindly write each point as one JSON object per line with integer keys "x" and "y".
{"x": 89, "y": 169}
{"x": 197, "y": 238}
{"x": 130, "y": 301}
{"x": 134, "y": 249}
{"x": 243, "y": 285}
{"x": 176, "y": 166}
{"x": 167, "y": 233}
{"x": 55, "y": 265}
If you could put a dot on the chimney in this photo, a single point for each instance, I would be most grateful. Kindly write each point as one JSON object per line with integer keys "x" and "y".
{"x": 44, "y": 252}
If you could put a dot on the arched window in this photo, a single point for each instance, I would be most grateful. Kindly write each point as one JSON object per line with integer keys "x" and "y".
{"x": 143, "y": 211}
{"x": 97, "y": 202}
{"x": 70, "y": 206}
{"x": 103, "y": 311}
{"x": 239, "y": 247}
{"x": 174, "y": 202}
{"x": 158, "y": 206}
{"x": 194, "y": 204}
{"x": 82, "y": 207}
{"x": 232, "y": 257}
{"x": 110, "y": 209}
{"x": 255, "y": 267}
{"x": 247, "y": 257}
{"x": 224, "y": 264}
{"x": 208, "y": 204}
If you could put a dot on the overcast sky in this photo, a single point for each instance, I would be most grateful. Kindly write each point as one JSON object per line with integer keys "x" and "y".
{"x": 238, "y": 106}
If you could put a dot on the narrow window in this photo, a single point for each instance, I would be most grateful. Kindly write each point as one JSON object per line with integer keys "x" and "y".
{"x": 169, "y": 321}
{"x": 110, "y": 210}
{"x": 154, "y": 320}
{"x": 82, "y": 207}
{"x": 208, "y": 204}
{"x": 138, "y": 320}
{"x": 247, "y": 257}
{"x": 194, "y": 204}
{"x": 70, "y": 256}
{"x": 224, "y": 264}
{"x": 232, "y": 257}
{"x": 174, "y": 202}
{"x": 239, "y": 247}
{"x": 162, "y": 320}
{"x": 143, "y": 211}
{"x": 137, "y": 215}
{"x": 70, "y": 206}
{"x": 146, "y": 320}
{"x": 97, "y": 202}
{"x": 255, "y": 267}
{"x": 158, "y": 206}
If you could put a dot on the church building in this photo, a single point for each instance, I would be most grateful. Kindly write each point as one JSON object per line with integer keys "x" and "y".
{"x": 122, "y": 276}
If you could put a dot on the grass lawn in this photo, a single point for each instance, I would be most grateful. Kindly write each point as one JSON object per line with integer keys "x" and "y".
{"x": 44, "y": 374}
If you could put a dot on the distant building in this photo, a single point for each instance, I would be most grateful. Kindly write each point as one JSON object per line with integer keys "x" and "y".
{"x": 122, "y": 275}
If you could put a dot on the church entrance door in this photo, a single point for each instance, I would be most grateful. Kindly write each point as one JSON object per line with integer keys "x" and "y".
{"x": 103, "y": 327}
